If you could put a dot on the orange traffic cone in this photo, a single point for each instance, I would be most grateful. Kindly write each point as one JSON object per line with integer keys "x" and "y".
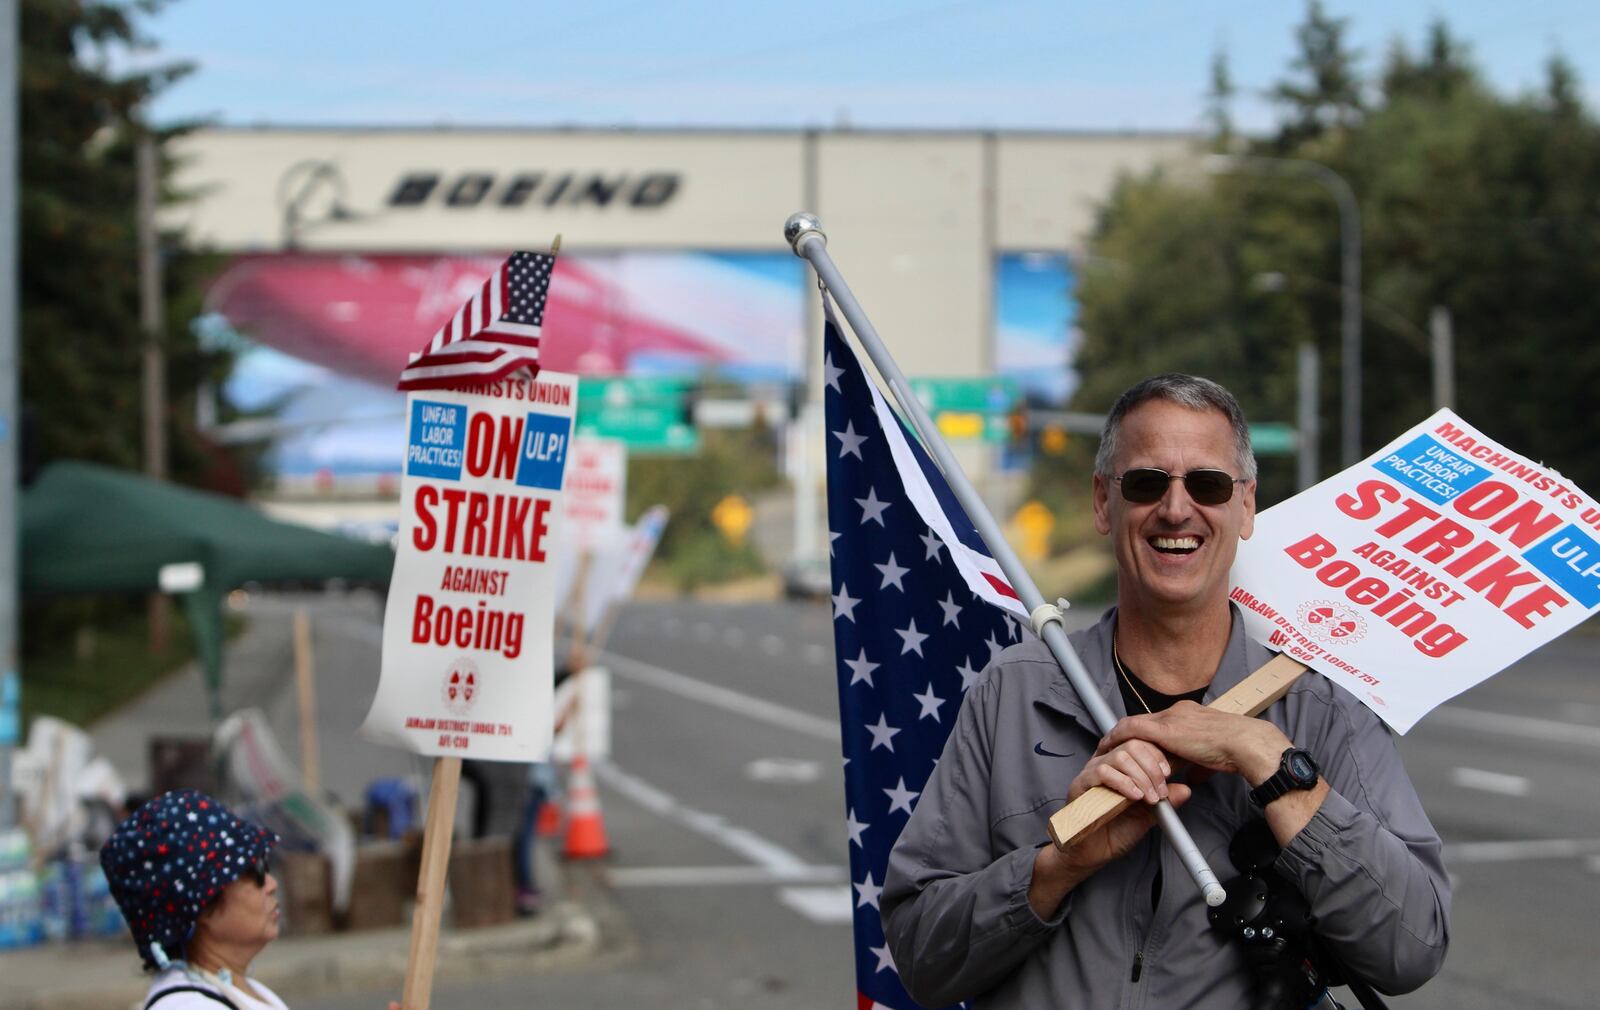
{"x": 549, "y": 824}
{"x": 586, "y": 831}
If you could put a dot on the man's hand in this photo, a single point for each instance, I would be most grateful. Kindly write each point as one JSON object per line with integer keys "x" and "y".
{"x": 1137, "y": 770}
{"x": 1221, "y": 742}
{"x": 1202, "y": 736}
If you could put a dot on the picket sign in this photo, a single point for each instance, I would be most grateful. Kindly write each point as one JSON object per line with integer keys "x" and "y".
{"x": 591, "y": 590}
{"x": 631, "y": 558}
{"x": 1419, "y": 572}
{"x": 468, "y": 629}
{"x": 596, "y": 490}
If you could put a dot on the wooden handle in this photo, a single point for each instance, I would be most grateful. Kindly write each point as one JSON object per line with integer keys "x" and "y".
{"x": 1250, "y": 697}
{"x": 436, "y": 834}
{"x": 305, "y": 678}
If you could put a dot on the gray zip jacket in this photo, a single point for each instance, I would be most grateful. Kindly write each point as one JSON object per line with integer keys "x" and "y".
{"x": 955, "y": 901}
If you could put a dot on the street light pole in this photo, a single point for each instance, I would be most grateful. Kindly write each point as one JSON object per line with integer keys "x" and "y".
{"x": 1349, "y": 276}
{"x": 1308, "y": 365}
{"x": 1438, "y": 343}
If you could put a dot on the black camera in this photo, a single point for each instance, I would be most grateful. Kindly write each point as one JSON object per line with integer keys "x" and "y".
{"x": 1271, "y": 920}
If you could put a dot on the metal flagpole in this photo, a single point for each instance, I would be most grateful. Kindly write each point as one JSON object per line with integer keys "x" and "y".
{"x": 805, "y": 236}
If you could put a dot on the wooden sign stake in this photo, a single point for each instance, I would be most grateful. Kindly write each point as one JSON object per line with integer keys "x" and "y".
{"x": 1250, "y": 697}
{"x": 436, "y": 835}
{"x": 578, "y": 652}
{"x": 602, "y": 635}
{"x": 305, "y": 678}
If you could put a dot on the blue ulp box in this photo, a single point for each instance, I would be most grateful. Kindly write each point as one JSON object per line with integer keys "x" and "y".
{"x": 1571, "y": 559}
{"x": 541, "y": 459}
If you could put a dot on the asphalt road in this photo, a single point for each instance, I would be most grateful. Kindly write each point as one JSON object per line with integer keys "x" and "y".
{"x": 724, "y": 805}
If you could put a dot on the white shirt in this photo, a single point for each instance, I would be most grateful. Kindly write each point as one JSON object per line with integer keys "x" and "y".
{"x": 175, "y": 977}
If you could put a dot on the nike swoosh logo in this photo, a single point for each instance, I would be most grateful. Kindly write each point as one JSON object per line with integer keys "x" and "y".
{"x": 1038, "y": 748}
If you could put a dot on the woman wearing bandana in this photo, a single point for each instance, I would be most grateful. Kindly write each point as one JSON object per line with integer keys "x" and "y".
{"x": 193, "y": 883}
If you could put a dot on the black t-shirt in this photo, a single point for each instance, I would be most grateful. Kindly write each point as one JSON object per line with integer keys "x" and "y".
{"x": 1155, "y": 699}
{"x": 1157, "y": 702}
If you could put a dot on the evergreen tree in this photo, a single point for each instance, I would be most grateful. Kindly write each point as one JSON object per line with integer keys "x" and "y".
{"x": 1219, "y": 103}
{"x": 1444, "y": 69}
{"x": 1562, "y": 93}
{"x": 1474, "y": 202}
{"x": 1325, "y": 91}
{"x": 80, "y": 336}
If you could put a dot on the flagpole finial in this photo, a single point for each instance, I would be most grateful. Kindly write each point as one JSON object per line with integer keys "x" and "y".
{"x": 555, "y": 246}
{"x": 799, "y": 226}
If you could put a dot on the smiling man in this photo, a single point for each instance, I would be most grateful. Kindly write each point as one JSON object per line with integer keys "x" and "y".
{"x": 979, "y": 906}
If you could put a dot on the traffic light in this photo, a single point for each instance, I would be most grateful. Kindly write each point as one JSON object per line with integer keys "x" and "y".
{"x": 1053, "y": 440}
{"x": 1017, "y": 426}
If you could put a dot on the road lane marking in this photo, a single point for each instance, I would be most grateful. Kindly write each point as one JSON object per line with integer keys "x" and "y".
{"x": 1548, "y": 730}
{"x": 785, "y": 770}
{"x": 721, "y": 697}
{"x": 720, "y": 876}
{"x": 765, "y": 854}
{"x": 1489, "y": 782}
{"x": 1520, "y": 849}
{"x": 1578, "y": 711}
{"x": 826, "y": 905}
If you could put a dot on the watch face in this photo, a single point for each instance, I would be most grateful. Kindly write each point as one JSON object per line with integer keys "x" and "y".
{"x": 1301, "y": 768}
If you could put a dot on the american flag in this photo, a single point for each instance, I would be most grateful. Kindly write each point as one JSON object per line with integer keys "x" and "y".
{"x": 920, "y": 607}
{"x": 495, "y": 333}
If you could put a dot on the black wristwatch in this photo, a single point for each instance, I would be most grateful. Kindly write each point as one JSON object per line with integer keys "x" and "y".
{"x": 1297, "y": 769}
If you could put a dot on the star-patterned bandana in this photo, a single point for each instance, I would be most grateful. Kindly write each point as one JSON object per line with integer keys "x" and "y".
{"x": 170, "y": 859}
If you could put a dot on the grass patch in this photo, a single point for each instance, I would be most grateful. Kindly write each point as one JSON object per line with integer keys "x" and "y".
{"x": 704, "y": 557}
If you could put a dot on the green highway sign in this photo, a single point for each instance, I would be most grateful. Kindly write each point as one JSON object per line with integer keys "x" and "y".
{"x": 993, "y": 395}
{"x": 623, "y": 391}
{"x": 645, "y": 429}
{"x": 969, "y": 410}
{"x": 646, "y": 413}
{"x": 1273, "y": 438}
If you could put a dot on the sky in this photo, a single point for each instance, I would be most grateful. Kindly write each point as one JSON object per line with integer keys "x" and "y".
{"x": 1141, "y": 65}
{"x": 1024, "y": 64}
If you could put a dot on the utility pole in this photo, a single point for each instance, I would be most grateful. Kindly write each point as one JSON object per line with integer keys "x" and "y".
{"x": 152, "y": 310}
{"x": 1444, "y": 358}
{"x": 808, "y": 440}
{"x": 1310, "y": 431}
{"x": 10, "y": 429}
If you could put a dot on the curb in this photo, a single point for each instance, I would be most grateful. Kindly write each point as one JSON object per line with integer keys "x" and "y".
{"x": 95, "y": 976}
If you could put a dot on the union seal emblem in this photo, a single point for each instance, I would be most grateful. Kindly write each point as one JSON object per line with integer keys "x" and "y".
{"x": 1332, "y": 621}
{"x": 461, "y": 684}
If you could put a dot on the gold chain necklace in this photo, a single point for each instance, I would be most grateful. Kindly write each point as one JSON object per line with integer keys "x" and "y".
{"x": 1117, "y": 659}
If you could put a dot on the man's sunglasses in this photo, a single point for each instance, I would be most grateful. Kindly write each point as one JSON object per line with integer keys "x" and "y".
{"x": 258, "y": 871}
{"x": 1146, "y": 484}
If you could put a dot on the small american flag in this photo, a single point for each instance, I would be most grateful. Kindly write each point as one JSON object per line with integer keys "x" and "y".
{"x": 495, "y": 333}
{"x": 920, "y": 607}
